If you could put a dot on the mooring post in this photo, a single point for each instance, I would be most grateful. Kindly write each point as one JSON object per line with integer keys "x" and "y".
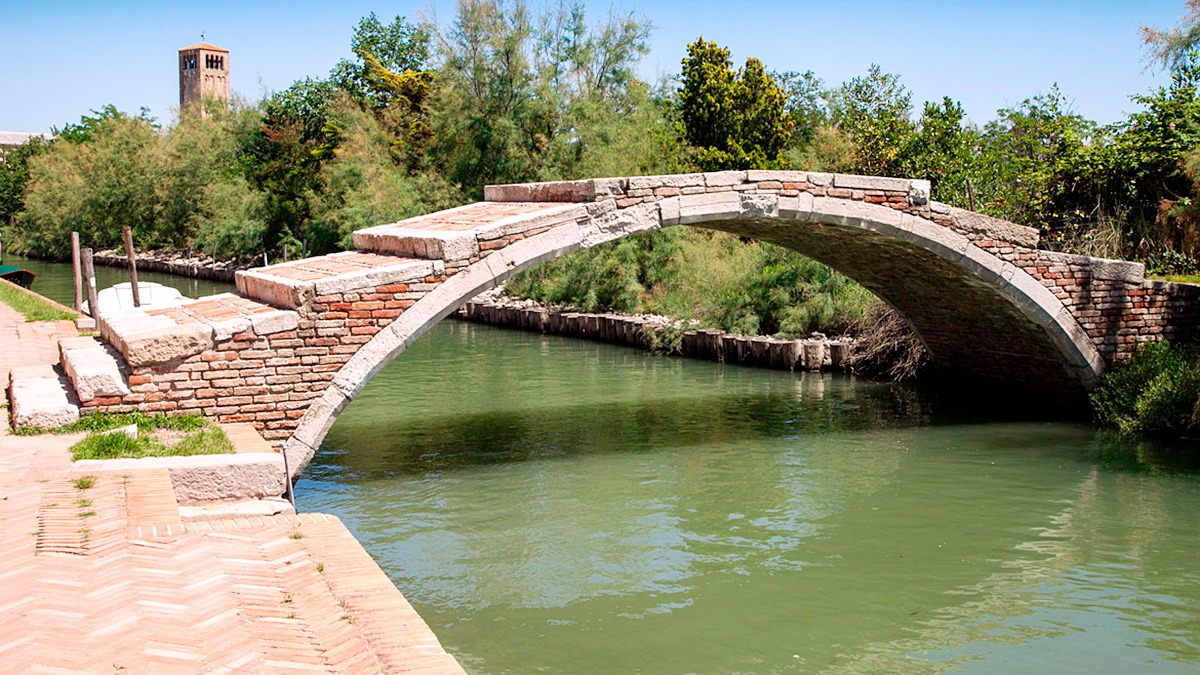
{"x": 287, "y": 480}
{"x": 89, "y": 280}
{"x": 76, "y": 272}
{"x": 129, "y": 255}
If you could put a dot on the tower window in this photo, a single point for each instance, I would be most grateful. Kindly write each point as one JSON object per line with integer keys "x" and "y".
{"x": 214, "y": 62}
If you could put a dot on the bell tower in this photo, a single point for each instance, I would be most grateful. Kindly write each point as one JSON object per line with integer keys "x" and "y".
{"x": 203, "y": 74}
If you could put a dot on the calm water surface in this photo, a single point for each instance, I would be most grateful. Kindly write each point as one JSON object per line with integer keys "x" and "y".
{"x": 55, "y": 281}
{"x": 559, "y": 506}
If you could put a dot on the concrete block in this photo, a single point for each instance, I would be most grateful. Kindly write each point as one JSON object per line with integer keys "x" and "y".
{"x": 708, "y": 207}
{"x": 724, "y": 178}
{"x": 759, "y": 206}
{"x": 994, "y": 228}
{"x": 820, "y": 179}
{"x": 224, "y": 330}
{"x": 40, "y": 398}
{"x": 206, "y": 478}
{"x": 797, "y": 208}
{"x": 918, "y": 192}
{"x": 164, "y": 345}
{"x": 235, "y": 509}
{"x": 93, "y": 371}
{"x": 555, "y": 191}
{"x": 269, "y": 323}
{"x": 852, "y": 182}
{"x": 402, "y": 272}
{"x": 668, "y": 181}
{"x": 668, "y": 210}
{"x": 1117, "y": 270}
{"x": 755, "y": 176}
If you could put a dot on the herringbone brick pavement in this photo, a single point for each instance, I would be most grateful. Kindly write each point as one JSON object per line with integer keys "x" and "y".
{"x": 101, "y": 576}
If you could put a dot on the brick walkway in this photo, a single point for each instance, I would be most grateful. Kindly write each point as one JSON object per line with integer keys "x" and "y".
{"x": 106, "y": 578}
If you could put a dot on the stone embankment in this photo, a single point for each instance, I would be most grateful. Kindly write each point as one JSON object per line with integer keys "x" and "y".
{"x": 654, "y": 332}
{"x": 182, "y": 262}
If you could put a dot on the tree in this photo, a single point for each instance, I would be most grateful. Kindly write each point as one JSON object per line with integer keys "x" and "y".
{"x": 14, "y": 176}
{"x": 943, "y": 151}
{"x": 283, "y": 156}
{"x": 805, "y": 103}
{"x": 390, "y": 63}
{"x": 1169, "y": 48}
{"x": 735, "y": 120}
{"x": 874, "y": 110}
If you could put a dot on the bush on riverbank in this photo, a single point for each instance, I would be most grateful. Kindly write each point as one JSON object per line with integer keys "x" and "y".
{"x": 739, "y": 286}
{"x": 1156, "y": 392}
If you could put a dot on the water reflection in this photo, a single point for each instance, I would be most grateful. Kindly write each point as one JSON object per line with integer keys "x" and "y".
{"x": 567, "y": 507}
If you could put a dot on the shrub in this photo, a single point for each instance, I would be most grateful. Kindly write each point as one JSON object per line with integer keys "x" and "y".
{"x": 1155, "y": 392}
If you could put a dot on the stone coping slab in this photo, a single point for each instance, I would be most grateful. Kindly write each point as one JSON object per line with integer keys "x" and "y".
{"x": 597, "y": 189}
{"x": 293, "y": 284}
{"x": 40, "y": 397}
{"x": 92, "y": 367}
{"x": 150, "y": 337}
{"x": 205, "y": 478}
{"x": 458, "y": 233}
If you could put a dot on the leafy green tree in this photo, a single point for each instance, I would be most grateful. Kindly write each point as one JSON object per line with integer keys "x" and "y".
{"x": 397, "y": 47}
{"x": 943, "y": 151}
{"x": 14, "y": 176}
{"x": 805, "y": 104}
{"x": 96, "y": 186}
{"x": 735, "y": 120}
{"x": 283, "y": 156}
{"x": 874, "y": 110}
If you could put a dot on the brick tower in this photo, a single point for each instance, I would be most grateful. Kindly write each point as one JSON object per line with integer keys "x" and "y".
{"x": 203, "y": 74}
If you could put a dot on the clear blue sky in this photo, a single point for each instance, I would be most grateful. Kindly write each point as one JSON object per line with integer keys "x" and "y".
{"x": 60, "y": 59}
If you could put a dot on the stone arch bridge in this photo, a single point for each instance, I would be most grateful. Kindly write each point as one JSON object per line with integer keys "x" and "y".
{"x": 301, "y": 339}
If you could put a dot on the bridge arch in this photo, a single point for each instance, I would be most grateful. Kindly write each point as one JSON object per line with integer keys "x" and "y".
{"x": 978, "y": 312}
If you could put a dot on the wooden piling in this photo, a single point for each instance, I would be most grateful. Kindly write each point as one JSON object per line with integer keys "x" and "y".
{"x": 132, "y": 258}
{"x": 89, "y": 282}
{"x": 76, "y": 271}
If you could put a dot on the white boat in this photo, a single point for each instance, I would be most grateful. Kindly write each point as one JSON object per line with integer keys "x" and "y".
{"x": 119, "y": 298}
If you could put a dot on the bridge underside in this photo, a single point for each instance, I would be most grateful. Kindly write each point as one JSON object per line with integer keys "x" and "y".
{"x": 972, "y": 332}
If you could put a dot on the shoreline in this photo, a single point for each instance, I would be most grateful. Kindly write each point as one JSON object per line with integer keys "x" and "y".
{"x": 177, "y": 262}
{"x": 661, "y": 334}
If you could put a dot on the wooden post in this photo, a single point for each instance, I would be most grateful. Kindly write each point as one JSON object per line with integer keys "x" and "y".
{"x": 89, "y": 280}
{"x": 78, "y": 274}
{"x": 971, "y": 194}
{"x": 137, "y": 295}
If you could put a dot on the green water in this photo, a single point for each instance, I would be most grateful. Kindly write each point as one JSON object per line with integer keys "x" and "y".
{"x": 55, "y": 281}
{"x": 557, "y": 506}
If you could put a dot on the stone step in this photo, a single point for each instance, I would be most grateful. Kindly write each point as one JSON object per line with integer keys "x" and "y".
{"x": 93, "y": 367}
{"x": 154, "y": 336}
{"x": 293, "y": 284}
{"x": 461, "y": 235}
{"x": 41, "y": 397}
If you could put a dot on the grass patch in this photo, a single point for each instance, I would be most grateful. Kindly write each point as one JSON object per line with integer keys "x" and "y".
{"x": 31, "y": 306}
{"x": 1180, "y": 278}
{"x": 158, "y": 436}
{"x": 84, "y": 482}
{"x": 109, "y": 421}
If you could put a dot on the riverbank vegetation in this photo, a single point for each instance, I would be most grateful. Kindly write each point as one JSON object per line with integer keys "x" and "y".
{"x": 149, "y": 436}
{"x": 30, "y": 305}
{"x": 421, "y": 116}
{"x": 1156, "y": 392}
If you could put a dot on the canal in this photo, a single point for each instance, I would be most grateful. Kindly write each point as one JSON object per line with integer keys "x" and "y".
{"x": 558, "y": 506}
